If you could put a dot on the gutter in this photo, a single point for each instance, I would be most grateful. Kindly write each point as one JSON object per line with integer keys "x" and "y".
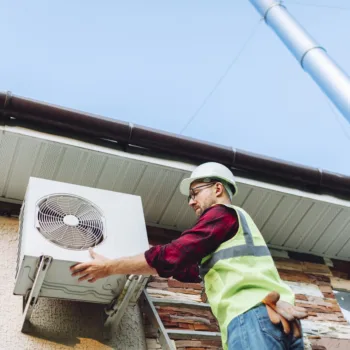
{"x": 31, "y": 114}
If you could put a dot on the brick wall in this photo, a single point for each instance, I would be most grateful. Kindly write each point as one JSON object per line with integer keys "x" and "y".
{"x": 325, "y": 328}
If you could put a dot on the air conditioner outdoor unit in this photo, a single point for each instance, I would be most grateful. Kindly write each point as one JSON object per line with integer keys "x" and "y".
{"x": 63, "y": 221}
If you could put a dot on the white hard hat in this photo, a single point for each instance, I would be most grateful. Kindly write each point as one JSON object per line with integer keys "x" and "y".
{"x": 209, "y": 170}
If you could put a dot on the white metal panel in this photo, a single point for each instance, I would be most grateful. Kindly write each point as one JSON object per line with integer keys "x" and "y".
{"x": 254, "y": 201}
{"x": 156, "y": 188}
{"x": 148, "y": 184}
{"x": 89, "y": 168}
{"x": 291, "y": 221}
{"x": 322, "y": 244}
{"x": 306, "y": 224}
{"x": 60, "y": 284}
{"x": 22, "y": 167}
{"x": 242, "y": 194}
{"x": 68, "y": 166}
{"x": 181, "y": 218}
{"x": 187, "y": 217}
{"x": 340, "y": 240}
{"x": 112, "y": 173}
{"x": 8, "y": 146}
{"x": 122, "y": 213}
{"x": 48, "y": 160}
{"x": 277, "y": 219}
{"x": 167, "y": 184}
{"x": 129, "y": 177}
{"x": 267, "y": 207}
{"x": 345, "y": 251}
{"x": 320, "y": 227}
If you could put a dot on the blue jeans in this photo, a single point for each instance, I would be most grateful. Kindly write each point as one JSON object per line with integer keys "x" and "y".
{"x": 254, "y": 330}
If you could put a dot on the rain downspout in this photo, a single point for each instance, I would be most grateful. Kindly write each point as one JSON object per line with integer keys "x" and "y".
{"x": 313, "y": 58}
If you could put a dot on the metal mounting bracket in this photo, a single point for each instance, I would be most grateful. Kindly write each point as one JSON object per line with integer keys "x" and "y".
{"x": 31, "y": 298}
{"x": 129, "y": 296}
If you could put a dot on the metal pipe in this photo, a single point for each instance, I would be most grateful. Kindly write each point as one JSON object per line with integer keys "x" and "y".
{"x": 313, "y": 58}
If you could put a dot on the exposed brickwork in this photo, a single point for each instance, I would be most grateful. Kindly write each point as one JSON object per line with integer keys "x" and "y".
{"x": 307, "y": 277}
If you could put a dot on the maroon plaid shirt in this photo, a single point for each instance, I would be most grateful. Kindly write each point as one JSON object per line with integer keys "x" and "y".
{"x": 181, "y": 257}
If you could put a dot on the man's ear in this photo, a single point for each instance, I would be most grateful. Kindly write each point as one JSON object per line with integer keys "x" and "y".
{"x": 219, "y": 189}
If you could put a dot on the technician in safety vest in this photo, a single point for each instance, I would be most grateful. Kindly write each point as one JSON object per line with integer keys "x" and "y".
{"x": 227, "y": 250}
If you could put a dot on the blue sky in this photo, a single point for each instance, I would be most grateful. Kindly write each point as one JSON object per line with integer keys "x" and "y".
{"x": 154, "y": 62}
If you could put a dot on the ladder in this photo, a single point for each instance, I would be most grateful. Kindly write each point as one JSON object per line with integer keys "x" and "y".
{"x": 164, "y": 336}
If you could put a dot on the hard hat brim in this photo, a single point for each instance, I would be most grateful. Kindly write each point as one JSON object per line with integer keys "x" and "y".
{"x": 186, "y": 183}
{"x": 185, "y": 186}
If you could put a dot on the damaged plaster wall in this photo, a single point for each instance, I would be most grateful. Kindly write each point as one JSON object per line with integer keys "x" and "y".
{"x": 56, "y": 324}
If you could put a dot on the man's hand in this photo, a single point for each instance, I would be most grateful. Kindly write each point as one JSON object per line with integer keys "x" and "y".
{"x": 92, "y": 270}
{"x": 282, "y": 312}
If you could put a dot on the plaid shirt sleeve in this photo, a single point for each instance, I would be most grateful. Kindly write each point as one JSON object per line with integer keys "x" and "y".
{"x": 181, "y": 257}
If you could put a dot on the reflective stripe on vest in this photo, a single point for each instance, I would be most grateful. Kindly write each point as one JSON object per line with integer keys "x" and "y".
{"x": 247, "y": 249}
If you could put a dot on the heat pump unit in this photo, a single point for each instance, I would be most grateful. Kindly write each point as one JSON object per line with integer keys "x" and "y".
{"x": 63, "y": 221}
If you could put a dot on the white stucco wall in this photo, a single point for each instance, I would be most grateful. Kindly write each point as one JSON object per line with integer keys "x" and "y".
{"x": 56, "y": 324}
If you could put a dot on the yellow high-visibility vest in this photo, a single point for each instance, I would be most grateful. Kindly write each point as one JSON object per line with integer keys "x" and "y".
{"x": 240, "y": 273}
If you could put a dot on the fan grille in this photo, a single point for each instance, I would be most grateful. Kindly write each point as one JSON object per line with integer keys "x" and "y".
{"x": 70, "y": 222}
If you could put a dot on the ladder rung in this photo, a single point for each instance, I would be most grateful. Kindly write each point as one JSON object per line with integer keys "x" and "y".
{"x": 173, "y": 302}
{"x": 184, "y": 334}
{"x": 164, "y": 335}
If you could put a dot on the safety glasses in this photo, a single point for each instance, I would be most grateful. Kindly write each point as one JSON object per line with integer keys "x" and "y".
{"x": 195, "y": 190}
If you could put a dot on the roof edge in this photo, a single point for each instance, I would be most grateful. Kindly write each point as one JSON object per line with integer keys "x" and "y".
{"x": 31, "y": 114}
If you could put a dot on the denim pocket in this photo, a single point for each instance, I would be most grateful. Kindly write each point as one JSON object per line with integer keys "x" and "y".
{"x": 266, "y": 325}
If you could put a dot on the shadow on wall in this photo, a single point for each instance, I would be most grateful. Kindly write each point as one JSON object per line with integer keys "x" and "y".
{"x": 65, "y": 322}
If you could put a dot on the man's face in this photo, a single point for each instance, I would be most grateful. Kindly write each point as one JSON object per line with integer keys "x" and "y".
{"x": 202, "y": 196}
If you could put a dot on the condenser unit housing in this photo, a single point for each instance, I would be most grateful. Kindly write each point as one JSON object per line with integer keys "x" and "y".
{"x": 63, "y": 221}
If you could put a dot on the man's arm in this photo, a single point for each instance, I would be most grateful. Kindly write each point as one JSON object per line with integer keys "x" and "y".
{"x": 190, "y": 274}
{"x": 101, "y": 267}
{"x": 180, "y": 258}
{"x": 177, "y": 259}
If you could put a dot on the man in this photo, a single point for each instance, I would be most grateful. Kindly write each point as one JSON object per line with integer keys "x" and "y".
{"x": 226, "y": 248}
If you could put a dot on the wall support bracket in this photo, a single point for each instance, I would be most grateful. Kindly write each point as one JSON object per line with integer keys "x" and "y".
{"x": 128, "y": 297}
{"x": 31, "y": 298}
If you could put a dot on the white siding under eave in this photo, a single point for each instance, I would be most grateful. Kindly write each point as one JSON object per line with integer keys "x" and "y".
{"x": 289, "y": 219}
